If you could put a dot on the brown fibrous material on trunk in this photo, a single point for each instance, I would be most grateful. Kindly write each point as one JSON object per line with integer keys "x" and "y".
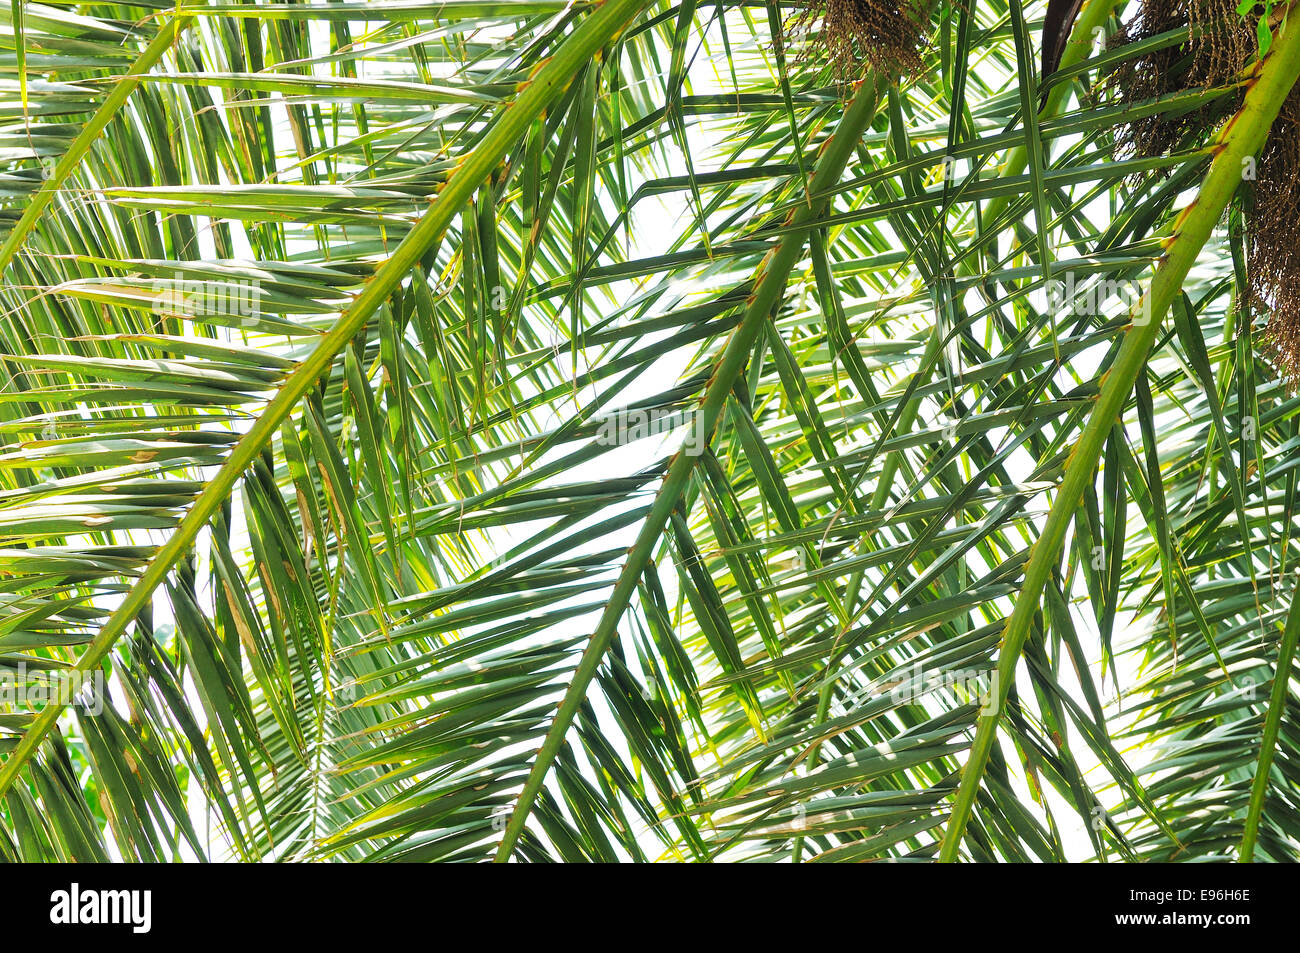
{"x": 1221, "y": 45}
{"x": 1273, "y": 255}
{"x": 850, "y": 37}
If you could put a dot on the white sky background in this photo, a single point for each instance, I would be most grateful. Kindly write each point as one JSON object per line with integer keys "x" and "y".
{"x": 667, "y": 217}
{"x": 664, "y": 216}
{"x": 657, "y": 219}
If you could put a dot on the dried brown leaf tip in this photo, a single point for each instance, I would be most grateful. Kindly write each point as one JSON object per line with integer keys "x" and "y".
{"x": 1057, "y": 25}
{"x": 847, "y": 38}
